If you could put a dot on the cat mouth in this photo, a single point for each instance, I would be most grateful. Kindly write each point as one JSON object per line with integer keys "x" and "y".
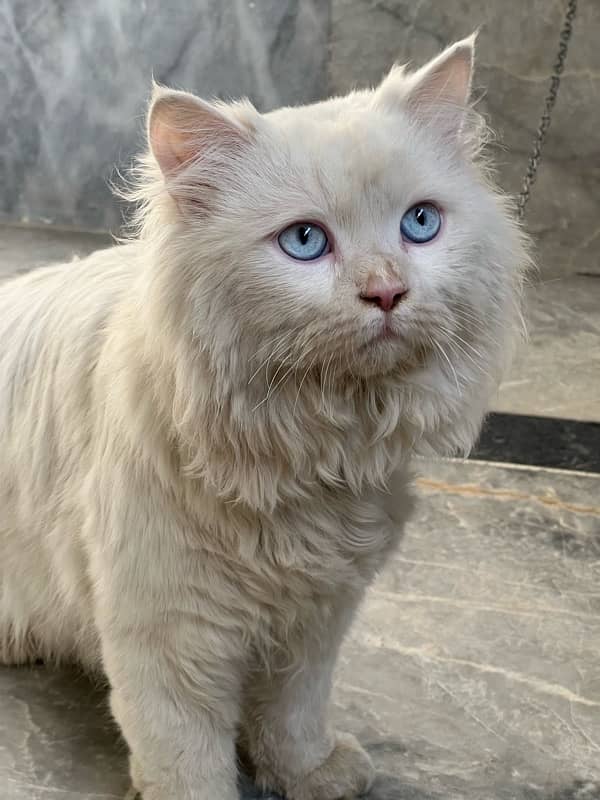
{"x": 386, "y": 333}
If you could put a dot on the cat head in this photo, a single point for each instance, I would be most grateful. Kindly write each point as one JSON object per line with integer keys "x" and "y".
{"x": 360, "y": 235}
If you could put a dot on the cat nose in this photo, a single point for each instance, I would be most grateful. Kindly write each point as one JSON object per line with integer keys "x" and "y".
{"x": 383, "y": 293}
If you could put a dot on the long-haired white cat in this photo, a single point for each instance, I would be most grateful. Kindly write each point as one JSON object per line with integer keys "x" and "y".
{"x": 205, "y": 432}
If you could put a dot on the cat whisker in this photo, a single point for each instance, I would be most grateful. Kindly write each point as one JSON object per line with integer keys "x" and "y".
{"x": 291, "y": 369}
{"x": 306, "y": 371}
{"x": 281, "y": 353}
{"x": 460, "y": 343}
{"x": 476, "y": 323}
{"x": 439, "y": 347}
{"x": 269, "y": 343}
{"x": 272, "y": 386}
{"x": 279, "y": 341}
{"x": 333, "y": 374}
{"x": 456, "y": 349}
{"x": 276, "y": 343}
{"x": 350, "y": 358}
{"x": 323, "y": 385}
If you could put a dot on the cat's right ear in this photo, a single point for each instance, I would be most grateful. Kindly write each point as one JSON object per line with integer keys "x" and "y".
{"x": 185, "y": 131}
{"x": 438, "y": 94}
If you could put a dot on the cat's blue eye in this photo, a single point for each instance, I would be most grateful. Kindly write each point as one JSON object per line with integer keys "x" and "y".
{"x": 303, "y": 241}
{"x": 421, "y": 223}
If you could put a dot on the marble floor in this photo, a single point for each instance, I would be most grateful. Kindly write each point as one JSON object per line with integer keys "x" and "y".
{"x": 556, "y": 373}
{"x": 473, "y": 670}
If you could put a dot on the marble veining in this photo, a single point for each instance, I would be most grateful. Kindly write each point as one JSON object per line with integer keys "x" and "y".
{"x": 556, "y": 371}
{"x": 76, "y": 77}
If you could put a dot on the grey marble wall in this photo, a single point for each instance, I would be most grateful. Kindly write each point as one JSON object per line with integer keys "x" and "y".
{"x": 75, "y": 76}
{"x": 77, "y": 72}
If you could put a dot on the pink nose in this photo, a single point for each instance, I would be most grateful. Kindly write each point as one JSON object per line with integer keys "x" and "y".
{"x": 383, "y": 293}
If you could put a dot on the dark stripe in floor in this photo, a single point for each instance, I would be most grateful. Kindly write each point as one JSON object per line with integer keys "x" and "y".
{"x": 540, "y": 442}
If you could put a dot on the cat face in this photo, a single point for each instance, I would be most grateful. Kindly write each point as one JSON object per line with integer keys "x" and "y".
{"x": 357, "y": 235}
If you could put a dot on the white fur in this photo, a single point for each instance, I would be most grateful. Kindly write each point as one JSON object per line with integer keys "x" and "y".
{"x": 204, "y": 460}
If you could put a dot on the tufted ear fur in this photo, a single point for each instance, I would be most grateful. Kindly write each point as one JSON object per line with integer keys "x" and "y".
{"x": 438, "y": 93}
{"x": 182, "y": 128}
{"x": 196, "y": 144}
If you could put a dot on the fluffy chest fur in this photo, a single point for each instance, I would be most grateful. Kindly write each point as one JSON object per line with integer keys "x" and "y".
{"x": 277, "y": 509}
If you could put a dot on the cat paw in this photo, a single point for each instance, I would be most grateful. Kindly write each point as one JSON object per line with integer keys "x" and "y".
{"x": 346, "y": 774}
{"x": 172, "y": 787}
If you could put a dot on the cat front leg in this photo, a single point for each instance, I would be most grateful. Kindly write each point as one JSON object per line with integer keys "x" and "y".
{"x": 287, "y": 734}
{"x": 178, "y": 717}
{"x": 173, "y": 659}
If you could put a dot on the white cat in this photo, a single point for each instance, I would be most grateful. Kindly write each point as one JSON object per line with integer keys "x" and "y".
{"x": 205, "y": 432}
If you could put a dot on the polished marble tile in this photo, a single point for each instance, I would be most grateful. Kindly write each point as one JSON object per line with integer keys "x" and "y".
{"x": 556, "y": 372}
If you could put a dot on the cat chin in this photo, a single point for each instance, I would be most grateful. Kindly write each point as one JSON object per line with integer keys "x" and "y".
{"x": 390, "y": 355}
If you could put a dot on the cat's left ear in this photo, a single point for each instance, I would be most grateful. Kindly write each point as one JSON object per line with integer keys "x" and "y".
{"x": 438, "y": 93}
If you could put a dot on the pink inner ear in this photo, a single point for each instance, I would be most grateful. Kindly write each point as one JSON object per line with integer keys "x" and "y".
{"x": 438, "y": 93}
{"x": 170, "y": 146}
{"x": 447, "y": 78}
{"x": 182, "y": 129}
{"x": 449, "y": 82}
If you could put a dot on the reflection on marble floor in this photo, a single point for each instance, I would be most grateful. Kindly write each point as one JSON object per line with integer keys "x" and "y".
{"x": 472, "y": 673}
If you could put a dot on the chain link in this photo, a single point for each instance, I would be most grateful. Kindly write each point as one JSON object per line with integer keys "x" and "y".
{"x": 549, "y": 103}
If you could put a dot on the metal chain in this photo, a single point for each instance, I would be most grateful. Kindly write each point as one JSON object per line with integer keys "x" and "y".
{"x": 549, "y": 102}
